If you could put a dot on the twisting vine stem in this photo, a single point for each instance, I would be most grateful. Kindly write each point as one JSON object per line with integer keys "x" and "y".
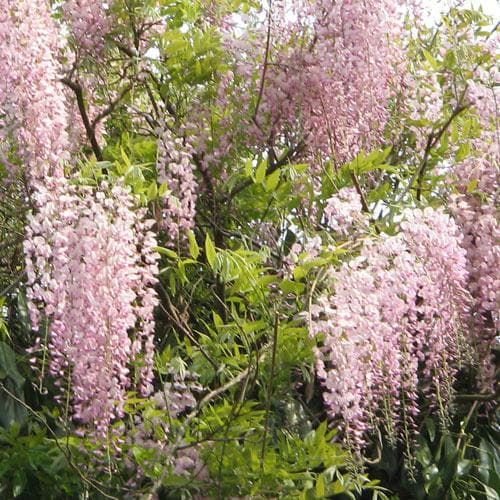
{"x": 269, "y": 392}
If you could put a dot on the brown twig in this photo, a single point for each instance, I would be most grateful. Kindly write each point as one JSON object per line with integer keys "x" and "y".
{"x": 432, "y": 141}
{"x": 264, "y": 68}
{"x": 78, "y": 90}
{"x": 364, "y": 202}
{"x": 112, "y": 105}
{"x": 269, "y": 393}
{"x": 172, "y": 315}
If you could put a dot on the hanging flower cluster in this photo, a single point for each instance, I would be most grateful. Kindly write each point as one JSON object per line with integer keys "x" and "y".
{"x": 90, "y": 262}
{"x": 175, "y": 168}
{"x": 476, "y": 213}
{"x": 343, "y": 211}
{"x": 474, "y": 175}
{"x": 91, "y": 273}
{"x": 392, "y": 327}
{"x": 358, "y": 58}
{"x": 32, "y": 105}
{"x": 88, "y": 22}
{"x": 330, "y": 70}
{"x": 475, "y": 209}
{"x": 325, "y": 75}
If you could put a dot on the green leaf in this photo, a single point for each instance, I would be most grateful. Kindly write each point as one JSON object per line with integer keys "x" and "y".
{"x": 8, "y": 364}
{"x": 210, "y": 252}
{"x": 272, "y": 181}
{"x": 162, "y": 191}
{"x": 489, "y": 461}
{"x": 175, "y": 43}
{"x": 449, "y": 463}
{"x": 338, "y": 487}
{"x": 19, "y": 483}
{"x": 491, "y": 494}
{"x": 152, "y": 192}
{"x": 260, "y": 173}
{"x": 463, "y": 467}
{"x": 471, "y": 187}
{"x": 125, "y": 158}
{"x": 248, "y": 168}
{"x": 11, "y": 411}
{"x": 450, "y": 59}
{"x": 431, "y": 428}
{"x": 430, "y": 59}
{"x": 289, "y": 286}
{"x": 299, "y": 272}
{"x": 194, "y": 249}
{"x": 218, "y": 323}
{"x": 172, "y": 284}
{"x": 384, "y": 154}
{"x": 253, "y": 326}
{"x": 320, "y": 486}
{"x": 167, "y": 252}
{"x": 431, "y": 474}
{"x": 423, "y": 454}
{"x": 22, "y": 311}
{"x": 299, "y": 167}
{"x": 463, "y": 151}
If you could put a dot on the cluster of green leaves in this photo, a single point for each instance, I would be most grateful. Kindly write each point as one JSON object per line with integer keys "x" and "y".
{"x": 291, "y": 467}
{"x": 450, "y": 466}
{"x": 35, "y": 466}
{"x": 464, "y": 467}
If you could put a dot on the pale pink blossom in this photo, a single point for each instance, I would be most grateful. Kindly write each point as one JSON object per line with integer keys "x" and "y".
{"x": 32, "y": 104}
{"x": 91, "y": 269}
{"x": 393, "y": 327}
{"x": 88, "y": 22}
{"x": 175, "y": 168}
{"x": 343, "y": 211}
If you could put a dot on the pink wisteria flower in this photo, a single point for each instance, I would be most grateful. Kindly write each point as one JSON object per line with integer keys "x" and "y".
{"x": 32, "y": 104}
{"x": 393, "y": 327}
{"x": 343, "y": 211}
{"x": 476, "y": 213}
{"x": 88, "y": 22}
{"x": 324, "y": 80}
{"x": 91, "y": 270}
{"x": 175, "y": 168}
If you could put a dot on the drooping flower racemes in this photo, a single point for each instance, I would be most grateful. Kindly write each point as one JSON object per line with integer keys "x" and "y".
{"x": 175, "y": 168}
{"x": 90, "y": 261}
{"x": 475, "y": 208}
{"x": 88, "y": 23}
{"x": 393, "y": 328}
{"x": 33, "y": 117}
{"x": 327, "y": 71}
{"x": 91, "y": 273}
